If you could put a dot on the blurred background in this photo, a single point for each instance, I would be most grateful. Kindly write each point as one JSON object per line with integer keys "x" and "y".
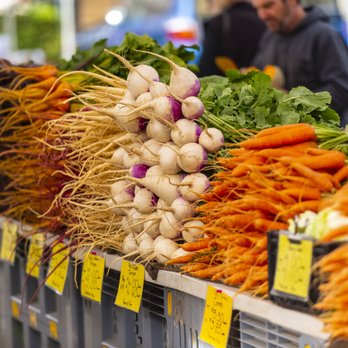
{"x": 47, "y": 30}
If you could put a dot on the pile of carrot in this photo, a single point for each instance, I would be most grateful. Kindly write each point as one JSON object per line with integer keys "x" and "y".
{"x": 32, "y": 97}
{"x": 334, "y": 301}
{"x": 268, "y": 179}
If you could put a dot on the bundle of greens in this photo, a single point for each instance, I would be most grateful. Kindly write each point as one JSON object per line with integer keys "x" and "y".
{"x": 249, "y": 101}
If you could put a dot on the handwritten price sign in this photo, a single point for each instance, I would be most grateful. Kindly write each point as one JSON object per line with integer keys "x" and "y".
{"x": 92, "y": 277}
{"x": 130, "y": 288}
{"x": 293, "y": 269}
{"x": 8, "y": 242}
{"x": 58, "y": 268}
{"x": 36, "y": 248}
{"x": 217, "y": 318}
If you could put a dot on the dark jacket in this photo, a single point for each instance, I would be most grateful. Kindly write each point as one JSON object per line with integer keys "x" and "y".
{"x": 235, "y": 33}
{"x": 314, "y": 55}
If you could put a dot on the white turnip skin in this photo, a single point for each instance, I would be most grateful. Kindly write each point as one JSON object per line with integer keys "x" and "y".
{"x": 154, "y": 171}
{"x": 122, "y": 188}
{"x": 149, "y": 152}
{"x": 130, "y": 160}
{"x": 145, "y": 201}
{"x": 146, "y": 247}
{"x": 211, "y": 139}
{"x": 182, "y": 209}
{"x": 143, "y": 99}
{"x": 164, "y": 249}
{"x": 192, "y": 157}
{"x": 129, "y": 245}
{"x": 183, "y": 82}
{"x": 117, "y": 156}
{"x": 192, "y": 230}
{"x": 134, "y": 222}
{"x": 169, "y": 226}
{"x": 158, "y": 131}
{"x": 194, "y": 185}
{"x": 180, "y": 252}
{"x": 185, "y": 131}
{"x": 115, "y": 209}
{"x": 192, "y": 108}
{"x": 158, "y": 89}
{"x": 168, "y": 158}
{"x": 151, "y": 225}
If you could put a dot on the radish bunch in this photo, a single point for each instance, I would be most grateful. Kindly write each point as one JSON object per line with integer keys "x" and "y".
{"x": 164, "y": 159}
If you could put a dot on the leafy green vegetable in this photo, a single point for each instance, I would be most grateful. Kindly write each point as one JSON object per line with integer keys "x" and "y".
{"x": 250, "y": 101}
{"x": 85, "y": 59}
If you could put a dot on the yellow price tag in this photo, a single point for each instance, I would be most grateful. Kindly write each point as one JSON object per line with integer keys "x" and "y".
{"x": 92, "y": 277}
{"x": 58, "y": 268}
{"x": 8, "y": 242}
{"x": 32, "y": 319}
{"x": 53, "y": 329}
{"x": 293, "y": 268}
{"x": 36, "y": 248}
{"x": 16, "y": 313}
{"x": 217, "y": 318}
{"x": 130, "y": 288}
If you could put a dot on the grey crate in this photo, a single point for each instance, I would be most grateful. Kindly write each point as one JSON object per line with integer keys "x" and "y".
{"x": 256, "y": 332}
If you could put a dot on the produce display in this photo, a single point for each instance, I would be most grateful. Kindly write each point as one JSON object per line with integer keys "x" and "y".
{"x": 127, "y": 151}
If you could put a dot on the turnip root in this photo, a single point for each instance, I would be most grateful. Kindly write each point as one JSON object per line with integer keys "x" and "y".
{"x": 183, "y": 82}
{"x": 139, "y": 77}
{"x": 138, "y": 170}
{"x": 192, "y": 230}
{"x": 211, "y": 139}
{"x": 149, "y": 152}
{"x": 154, "y": 171}
{"x": 180, "y": 252}
{"x": 182, "y": 209}
{"x": 146, "y": 247}
{"x": 117, "y": 156}
{"x": 168, "y": 158}
{"x": 143, "y": 99}
{"x": 158, "y": 89}
{"x": 185, "y": 131}
{"x": 145, "y": 201}
{"x": 169, "y": 226}
{"x": 158, "y": 131}
{"x": 122, "y": 191}
{"x": 134, "y": 221}
{"x": 192, "y": 108}
{"x": 164, "y": 249}
{"x": 129, "y": 245}
{"x": 192, "y": 157}
{"x": 151, "y": 225}
{"x": 194, "y": 185}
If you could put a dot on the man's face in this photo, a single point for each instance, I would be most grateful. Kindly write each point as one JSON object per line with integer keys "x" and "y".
{"x": 275, "y": 13}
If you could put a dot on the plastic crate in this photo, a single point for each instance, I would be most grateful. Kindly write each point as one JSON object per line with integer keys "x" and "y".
{"x": 319, "y": 251}
{"x": 255, "y": 332}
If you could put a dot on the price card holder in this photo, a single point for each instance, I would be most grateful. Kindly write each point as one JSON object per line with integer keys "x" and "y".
{"x": 216, "y": 318}
{"x": 53, "y": 328}
{"x": 32, "y": 319}
{"x": 92, "y": 277}
{"x": 58, "y": 268}
{"x": 130, "y": 288}
{"x": 36, "y": 248}
{"x": 15, "y": 309}
{"x": 293, "y": 267}
{"x": 8, "y": 242}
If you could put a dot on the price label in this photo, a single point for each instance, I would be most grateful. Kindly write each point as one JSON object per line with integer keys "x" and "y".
{"x": 92, "y": 277}
{"x": 130, "y": 288}
{"x": 36, "y": 248}
{"x": 217, "y": 318}
{"x": 8, "y": 242}
{"x": 58, "y": 268}
{"x": 53, "y": 329}
{"x": 293, "y": 269}
{"x": 33, "y": 319}
{"x": 16, "y": 312}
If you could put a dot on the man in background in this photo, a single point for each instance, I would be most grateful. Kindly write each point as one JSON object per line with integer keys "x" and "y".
{"x": 234, "y": 33}
{"x": 306, "y": 48}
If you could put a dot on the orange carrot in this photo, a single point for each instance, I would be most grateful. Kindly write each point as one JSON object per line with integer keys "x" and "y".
{"x": 335, "y": 233}
{"x": 341, "y": 174}
{"x": 321, "y": 181}
{"x": 198, "y": 245}
{"x": 278, "y": 129}
{"x": 295, "y": 135}
{"x": 302, "y": 193}
{"x": 181, "y": 259}
{"x": 268, "y": 225}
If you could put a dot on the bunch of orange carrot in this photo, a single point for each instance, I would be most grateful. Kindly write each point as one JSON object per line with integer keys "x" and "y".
{"x": 33, "y": 96}
{"x": 268, "y": 179}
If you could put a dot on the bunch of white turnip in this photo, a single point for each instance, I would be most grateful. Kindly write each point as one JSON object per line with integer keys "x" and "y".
{"x": 164, "y": 154}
